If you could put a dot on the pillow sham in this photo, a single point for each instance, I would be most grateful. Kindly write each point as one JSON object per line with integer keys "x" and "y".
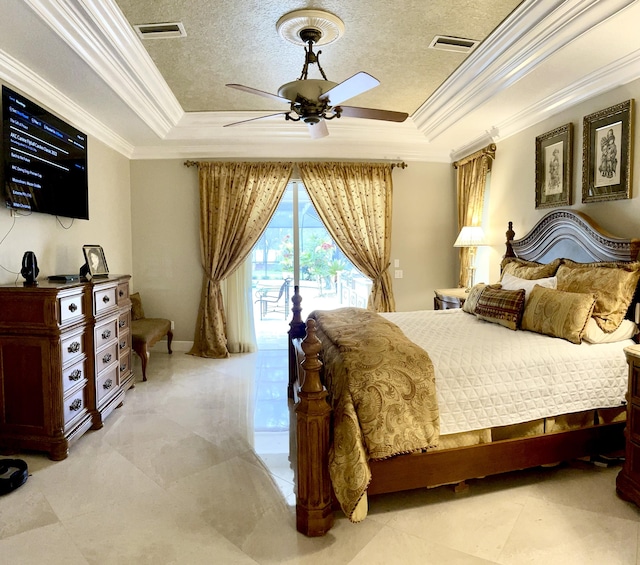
{"x": 593, "y": 334}
{"x": 510, "y": 282}
{"x": 470, "y": 303}
{"x": 558, "y": 313}
{"x": 529, "y": 269}
{"x": 500, "y": 306}
{"x": 614, "y": 284}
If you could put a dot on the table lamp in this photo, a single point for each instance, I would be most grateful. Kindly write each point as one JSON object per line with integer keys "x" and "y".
{"x": 471, "y": 237}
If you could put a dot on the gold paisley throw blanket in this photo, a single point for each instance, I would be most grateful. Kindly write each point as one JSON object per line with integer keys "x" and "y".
{"x": 383, "y": 394}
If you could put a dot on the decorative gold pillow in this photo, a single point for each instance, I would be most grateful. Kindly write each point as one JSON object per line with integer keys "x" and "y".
{"x": 558, "y": 313}
{"x": 502, "y": 307}
{"x": 529, "y": 269}
{"x": 472, "y": 298}
{"x": 613, "y": 283}
{"x": 137, "y": 312}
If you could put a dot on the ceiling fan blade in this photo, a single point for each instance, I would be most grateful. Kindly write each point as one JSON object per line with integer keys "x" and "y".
{"x": 318, "y": 129}
{"x": 373, "y": 114}
{"x": 258, "y": 92}
{"x": 254, "y": 119}
{"x": 357, "y": 84}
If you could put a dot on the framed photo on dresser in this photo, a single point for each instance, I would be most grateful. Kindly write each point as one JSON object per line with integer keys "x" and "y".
{"x": 554, "y": 160}
{"x": 95, "y": 260}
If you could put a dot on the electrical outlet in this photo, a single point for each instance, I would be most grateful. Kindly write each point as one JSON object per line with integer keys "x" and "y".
{"x": 396, "y": 263}
{"x": 173, "y": 326}
{"x": 399, "y": 273}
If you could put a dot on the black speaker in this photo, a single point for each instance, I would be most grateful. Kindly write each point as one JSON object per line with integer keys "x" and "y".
{"x": 29, "y": 268}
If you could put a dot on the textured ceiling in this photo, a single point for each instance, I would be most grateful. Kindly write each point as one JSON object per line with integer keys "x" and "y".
{"x": 237, "y": 42}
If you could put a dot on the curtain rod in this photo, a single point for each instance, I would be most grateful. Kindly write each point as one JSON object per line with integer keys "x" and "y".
{"x": 489, "y": 151}
{"x": 401, "y": 164}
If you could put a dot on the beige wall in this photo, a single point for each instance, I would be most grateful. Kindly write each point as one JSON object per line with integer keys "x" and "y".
{"x": 512, "y": 191}
{"x": 59, "y": 250}
{"x": 166, "y": 244}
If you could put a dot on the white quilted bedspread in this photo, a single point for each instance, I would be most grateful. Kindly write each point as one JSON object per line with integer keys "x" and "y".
{"x": 488, "y": 375}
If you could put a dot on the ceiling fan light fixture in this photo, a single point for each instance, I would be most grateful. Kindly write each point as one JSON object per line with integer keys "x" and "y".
{"x": 310, "y": 88}
{"x": 329, "y": 26}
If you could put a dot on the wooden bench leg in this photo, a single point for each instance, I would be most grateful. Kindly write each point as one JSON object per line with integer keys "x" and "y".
{"x": 144, "y": 357}
{"x": 169, "y": 338}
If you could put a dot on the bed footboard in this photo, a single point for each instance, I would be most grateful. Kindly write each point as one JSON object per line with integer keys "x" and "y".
{"x": 314, "y": 515}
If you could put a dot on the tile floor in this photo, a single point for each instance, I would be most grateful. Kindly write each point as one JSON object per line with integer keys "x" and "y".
{"x": 194, "y": 469}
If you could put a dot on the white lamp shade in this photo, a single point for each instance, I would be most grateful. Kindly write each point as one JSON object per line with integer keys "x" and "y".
{"x": 470, "y": 236}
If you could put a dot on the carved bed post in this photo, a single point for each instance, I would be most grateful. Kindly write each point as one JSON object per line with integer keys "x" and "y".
{"x": 296, "y": 330}
{"x": 510, "y": 236}
{"x": 314, "y": 516}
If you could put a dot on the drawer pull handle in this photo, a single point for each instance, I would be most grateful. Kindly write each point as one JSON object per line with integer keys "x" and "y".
{"x": 75, "y": 405}
{"x": 122, "y": 324}
{"x": 105, "y": 299}
{"x": 72, "y": 307}
{"x": 106, "y": 334}
{"x": 107, "y": 384}
{"x": 74, "y": 347}
{"x": 123, "y": 344}
{"x": 75, "y": 375}
{"x": 123, "y": 367}
{"x": 121, "y": 293}
{"x": 106, "y": 358}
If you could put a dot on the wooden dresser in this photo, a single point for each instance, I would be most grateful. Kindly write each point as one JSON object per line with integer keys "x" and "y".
{"x": 65, "y": 361}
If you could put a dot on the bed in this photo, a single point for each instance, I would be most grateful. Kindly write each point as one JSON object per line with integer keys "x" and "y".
{"x": 508, "y": 383}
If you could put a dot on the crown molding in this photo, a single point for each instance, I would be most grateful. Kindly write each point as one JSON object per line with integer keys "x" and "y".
{"x": 22, "y": 78}
{"x": 619, "y": 72}
{"x": 525, "y": 39}
{"x": 98, "y": 32}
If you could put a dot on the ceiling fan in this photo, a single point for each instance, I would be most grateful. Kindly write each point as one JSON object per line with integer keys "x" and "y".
{"x": 314, "y": 101}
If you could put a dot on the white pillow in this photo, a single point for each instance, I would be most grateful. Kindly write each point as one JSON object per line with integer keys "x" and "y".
{"x": 593, "y": 334}
{"x": 510, "y": 282}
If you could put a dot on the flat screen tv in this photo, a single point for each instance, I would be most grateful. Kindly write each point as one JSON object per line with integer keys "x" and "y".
{"x": 44, "y": 160}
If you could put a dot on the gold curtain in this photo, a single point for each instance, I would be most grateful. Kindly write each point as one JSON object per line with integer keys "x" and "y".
{"x": 354, "y": 202}
{"x": 471, "y": 182}
{"x": 237, "y": 201}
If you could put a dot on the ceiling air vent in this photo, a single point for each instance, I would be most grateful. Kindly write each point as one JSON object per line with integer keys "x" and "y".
{"x": 448, "y": 43}
{"x": 160, "y": 31}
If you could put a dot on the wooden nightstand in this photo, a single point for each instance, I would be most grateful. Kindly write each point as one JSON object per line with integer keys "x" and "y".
{"x": 447, "y": 298}
{"x": 628, "y": 480}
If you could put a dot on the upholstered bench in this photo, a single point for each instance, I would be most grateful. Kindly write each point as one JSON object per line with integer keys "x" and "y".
{"x": 146, "y": 332}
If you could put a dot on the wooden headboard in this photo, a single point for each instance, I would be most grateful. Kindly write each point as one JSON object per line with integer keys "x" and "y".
{"x": 571, "y": 235}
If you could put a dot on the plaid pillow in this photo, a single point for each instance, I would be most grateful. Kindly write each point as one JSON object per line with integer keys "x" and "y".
{"x": 500, "y": 306}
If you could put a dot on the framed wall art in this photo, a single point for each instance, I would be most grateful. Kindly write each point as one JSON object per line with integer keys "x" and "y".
{"x": 607, "y": 153}
{"x": 554, "y": 167}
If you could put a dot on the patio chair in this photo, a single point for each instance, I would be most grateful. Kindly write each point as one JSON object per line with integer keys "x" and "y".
{"x": 274, "y": 299}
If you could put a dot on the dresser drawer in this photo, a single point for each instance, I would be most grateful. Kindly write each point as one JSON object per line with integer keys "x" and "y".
{"x": 73, "y": 375}
{"x": 72, "y": 347}
{"x": 634, "y": 379}
{"x": 70, "y": 307}
{"x": 105, "y": 333}
{"x": 75, "y": 405}
{"x": 104, "y": 300}
{"x": 124, "y": 321}
{"x": 125, "y": 363}
{"x": 107, "y": 382}
{"x": 124, "y": 342}
{"x": 123, "y": 293}
{"x": 106, "y": 357}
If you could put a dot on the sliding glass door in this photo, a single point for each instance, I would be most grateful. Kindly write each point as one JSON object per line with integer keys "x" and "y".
{"x": 296, "y": 249}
